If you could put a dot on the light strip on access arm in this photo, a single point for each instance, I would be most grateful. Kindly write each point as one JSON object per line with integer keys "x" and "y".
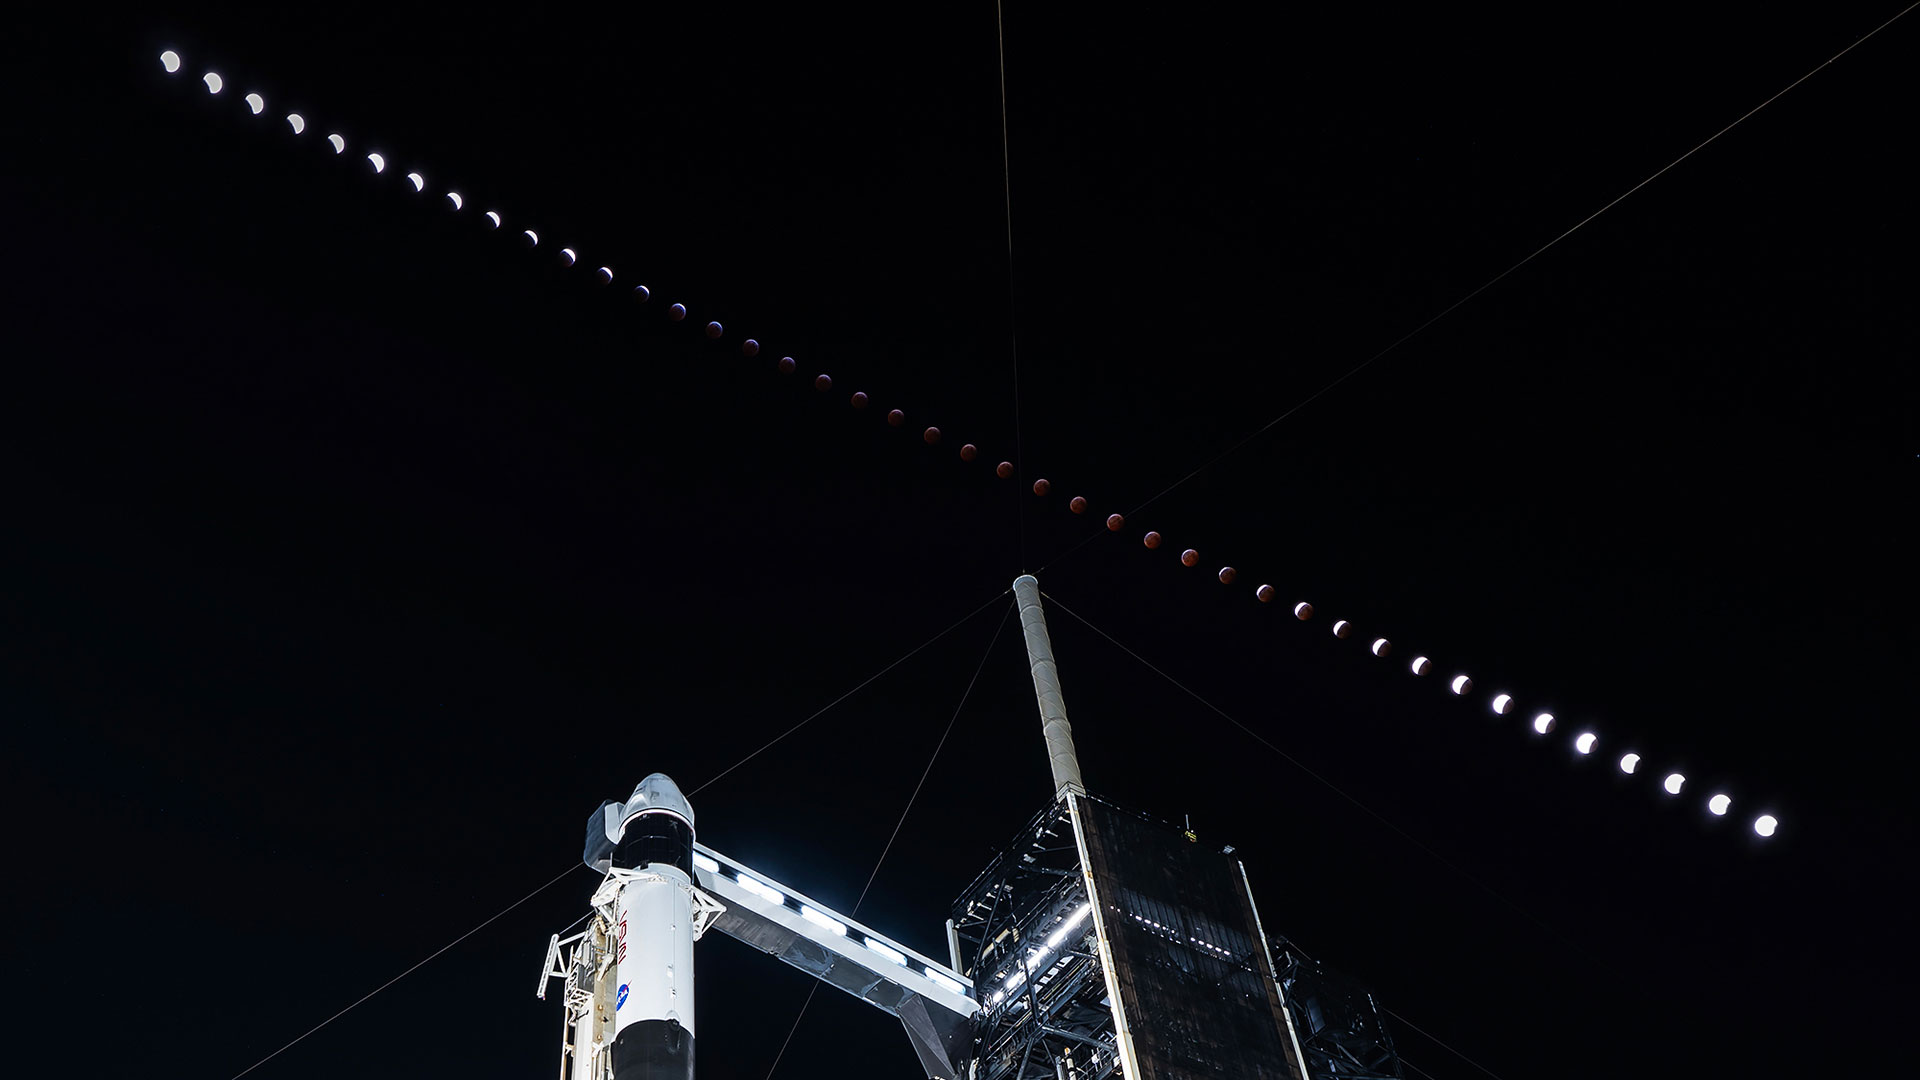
{"x": 887, "y": 951}
{"x": 711, "y": 866}
{"x": 762, "y": 890}
{"x": 831, "y": 924}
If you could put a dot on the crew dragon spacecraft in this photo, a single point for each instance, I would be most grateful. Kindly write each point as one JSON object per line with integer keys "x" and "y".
{"x": 1098, "y": 942}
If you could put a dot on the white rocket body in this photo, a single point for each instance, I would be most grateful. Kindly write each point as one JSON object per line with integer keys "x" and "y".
{"x": 653, "y": 949}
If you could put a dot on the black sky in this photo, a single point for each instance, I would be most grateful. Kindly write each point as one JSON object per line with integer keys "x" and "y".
{"x": 353, "y": 553}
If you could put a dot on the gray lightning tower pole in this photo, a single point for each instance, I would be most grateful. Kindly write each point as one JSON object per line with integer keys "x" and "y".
{"x": 1046, "y": 687}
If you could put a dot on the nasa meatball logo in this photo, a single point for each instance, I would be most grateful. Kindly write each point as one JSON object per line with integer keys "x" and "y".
{"x": 621, "y": 1003}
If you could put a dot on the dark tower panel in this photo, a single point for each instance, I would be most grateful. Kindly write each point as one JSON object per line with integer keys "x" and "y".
{"x": 1188, "y": 956}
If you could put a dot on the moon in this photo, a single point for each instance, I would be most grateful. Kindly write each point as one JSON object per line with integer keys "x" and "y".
{"x": 257, "y": 103}
{"x": 1629, "y": 762}
{"x": 297, "y": 122}
{"x": 339, "y": 144}
{"x": 567, "y": 254}
{"x": 1585, "y": 742}
{"x": 1381, "y": 646}
{"x": 1461, "y": 684}
{"x": 1544, "y": 723}
{"x": 1501, "y": 703}
{"x": 1673, "y": 782}
{"x": 454, "y": 196}
{"x": 1718, "y": 805}
{"x": 214, "y": 82}
{"x": 1303, "y": 611}
{"x": 1421, "y": 665}
{"x": 419, "y": 182}
{"x": 1765, "y": 824}
{"x": 533, "y": 236}
{"x": 606, "y": 276}
{"x": 379, "y": 163}
{"x": 1341, "y": 628}
{"x": 493, "y": 217}
{"x": 170, "y": 60}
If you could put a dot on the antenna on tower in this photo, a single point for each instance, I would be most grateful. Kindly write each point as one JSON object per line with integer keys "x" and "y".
{"x": 1046, "y": 687}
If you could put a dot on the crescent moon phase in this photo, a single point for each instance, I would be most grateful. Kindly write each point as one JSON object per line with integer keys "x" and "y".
{"x": 419, "y": 182}
{"x": 339, "y": 144}
{"x": 1341, "y": 628}
{"x": 379, "y": 163}
{"x": 606, "y": 276}
{"x": 455, "y": 196}
{"x": 533, "y": 236}
{"x": 493, "y": 217}
{"x": 257, "y": 103}
{"x": 214, "y": 81}
{"x": 297, "y": 122}
{"x": 1585, "y": 742}
{"x": 567, "y": 254}
{"x": 170, "y": 60}
{"x": 1381, "y": 646}
{"x": 1303, "y": 610}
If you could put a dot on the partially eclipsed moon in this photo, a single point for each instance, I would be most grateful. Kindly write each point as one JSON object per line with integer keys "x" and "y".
{"x": 493, "y": 217}
{"x": 1765, "y": 824}
{"x": 1501, "y": 703}
{"x": 297, "y": 122}
{"x": 1544, "y": 724}
{"x": 339, "y": 144}
{"x": 214, "y": 82}
{"x": 1341, "y": 628}
{"x": 379, "y": 163}
{"x": 533, "y": 236}
{"x": 1303, "y": 610}
{"x": 1462, "y": 684}
{"x": 455, "y": 197}
{"x": 170, "y": 60}
{"x": 257, "y": 103}
{"x": 1585, "y": 742}
{"x": 1629, "y": 762}
{"x": 567, "y": 254}
{"x": 1421, "y": 665}
{"x": 1673, "y": 782}
{"x": 606, "y": 276}
{"x": 419, "y": 182}
{"x": 1718, "y": 805}
{"x": 1381, "y": 646}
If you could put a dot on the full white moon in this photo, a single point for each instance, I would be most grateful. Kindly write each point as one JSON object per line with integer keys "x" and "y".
{"x": 214, "y": 82}
{"x": 1544, "y": 724}
{"x": 379, "y": 163}
{"x": 257, "y": 103}
{"x": 339, "y": 144}
{"x": 1462, "y": 684}
{"x": 1421, "y": 665}
{"x": 567, "y": 254}
{"x": 1629, "y": 762}
{"x": 493, "y": 217}
{"x": 1501, "y": 703}
{"x": 170, "y": 60}
{"x": 419, "y": 182}
{"x": 533, "y": 236}
{"x": 297, "y": 122}
{"x": 1585, "y": 742}
{"x": 1673, "y": 782}
{"x": 1718, "y": 805}
{"x": 1765, "y": 824}
{"x": 455, "y": 196}
{"x": 1380, "y": 646}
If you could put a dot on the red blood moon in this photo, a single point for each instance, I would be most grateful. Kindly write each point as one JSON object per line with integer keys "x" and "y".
{"x": 1152, "y": 540}
{"x": 969, "y": 452}
{"x": 786, "y": 365}
{"x": 750, "y": 348}
{"x": 1303, "y": 611}
{"x": 896, "y": 418}
{"x": 1227, "y": 575}
{"x": 677, "y": 312}
{"x": 1003, "y": 470}
{"x": 822, "y": 382}
{"x": 1265, "y": 593}
{"x": 1041, "y": 487}
{"x": 859, "y": 400}
{"x": 714, "y": 330}
{"x": 1114, "y": 522}
{"x": 1189, "y": 557}
{"x": 932, "y": 435}
{"x": 1077, "y": 504}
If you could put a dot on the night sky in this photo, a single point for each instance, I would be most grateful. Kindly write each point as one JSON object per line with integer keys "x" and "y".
{"x": 353, "y": 552}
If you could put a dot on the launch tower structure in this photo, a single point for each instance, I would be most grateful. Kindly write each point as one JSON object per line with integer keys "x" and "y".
{"x": 1099, "y": 943}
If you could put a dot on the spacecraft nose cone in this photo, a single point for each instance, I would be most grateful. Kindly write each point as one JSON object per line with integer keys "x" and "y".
{"x": 658, "y": 792}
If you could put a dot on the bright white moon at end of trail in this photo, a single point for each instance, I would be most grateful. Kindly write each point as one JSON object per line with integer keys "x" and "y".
{"x": 1629, "y": 763}
{"x": 170, "y": 60}
{"x": 339, "y": 144}
{"x": 1501, "y": 703}
{"x": 257, "y": 103}
{"x": 297, "y": 122}
{"x": 379, "y": 163}
{"x": 533, "y": 236}
{"x": 1718, "y": 805}
{"x": 455, "y": 197}
{"x": 419, "y": 182}
{"x": 1765, "y": 824}
{"x": 567, "y": 254}
{"x": 1380, "y": 646}
{"x": 1585, "y": 742}
{"x": 1673, "y": 783}
{"x": 493, "y": 217}
{"x": 1544, "y": 724}
{"x": 1462, "y": 684}
{"x": 214, "y": 82}
{"x": 1421, "y": 665}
